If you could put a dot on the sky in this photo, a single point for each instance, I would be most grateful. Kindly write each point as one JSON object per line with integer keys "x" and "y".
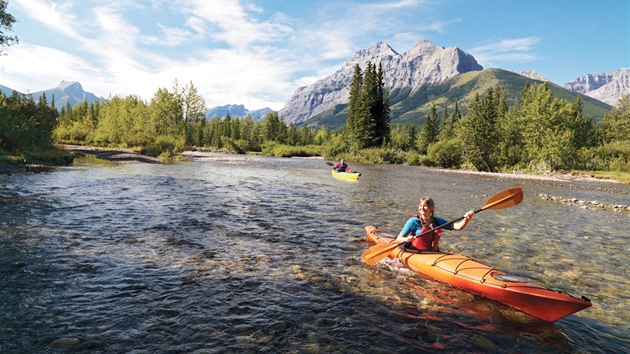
{"x": 259, "y": 52}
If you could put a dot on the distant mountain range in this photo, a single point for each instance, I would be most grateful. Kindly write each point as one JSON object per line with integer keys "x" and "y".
{"x": 429, "y": 74}
{"x": 413, "y": 107}
{"x": 424, "y": 64}
{"x": 607, "y": 87}
{"x": 236, "y": 110}
{"x": 66, "y": 92}
{"x": 72, "y": 92}
{"x": 416, "y": 79}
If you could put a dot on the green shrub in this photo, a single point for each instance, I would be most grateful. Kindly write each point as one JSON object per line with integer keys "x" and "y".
{"x": 271, "y": 148}
{"x": 417, "y": 159}
{"x": 446, "y": 153}
{"x": 163, "y": 147}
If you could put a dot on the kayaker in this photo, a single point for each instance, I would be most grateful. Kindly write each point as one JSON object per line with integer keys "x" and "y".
{"x": 341, "y": 166}
{"x": 425, "y": 221}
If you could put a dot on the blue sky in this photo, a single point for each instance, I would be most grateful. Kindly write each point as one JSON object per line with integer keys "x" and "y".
{"x": 258, "y": 52}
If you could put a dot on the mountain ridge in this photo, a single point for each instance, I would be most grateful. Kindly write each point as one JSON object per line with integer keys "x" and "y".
{"x": 424, "y": 63}
{"x": 237, "y": 110}
{"x": 407, "y": 107}
{"x": 607, "y": 87}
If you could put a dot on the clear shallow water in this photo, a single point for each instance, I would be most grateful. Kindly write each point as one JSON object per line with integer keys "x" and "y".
{"x": 233, "y": 253}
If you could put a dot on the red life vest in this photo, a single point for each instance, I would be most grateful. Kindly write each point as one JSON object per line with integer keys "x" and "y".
{"x": 428, "y": 241}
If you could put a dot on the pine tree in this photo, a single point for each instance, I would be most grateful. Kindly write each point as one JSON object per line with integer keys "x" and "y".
{"x": 354, "y": 105}
{"x": 381, "y": 110}
{"x": 429, "y": 133}
{"x": 479, "y": 132}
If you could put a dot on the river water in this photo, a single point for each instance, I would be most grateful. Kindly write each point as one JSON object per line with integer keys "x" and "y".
{"x": 250, "y": 254}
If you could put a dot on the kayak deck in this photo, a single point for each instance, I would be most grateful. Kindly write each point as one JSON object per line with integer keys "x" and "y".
{"x": 346, "y": 176}
{"x": 468, "y": 274}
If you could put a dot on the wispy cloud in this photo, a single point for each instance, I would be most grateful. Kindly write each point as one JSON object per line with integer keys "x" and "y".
{"x": 26, "y": 61}
{"x": 56, "y": 16}
{"x": 233, "y": 51}
{"x": 505, "y": 51}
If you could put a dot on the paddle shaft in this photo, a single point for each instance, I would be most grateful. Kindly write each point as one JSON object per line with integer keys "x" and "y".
{"x": 487, "y": 206}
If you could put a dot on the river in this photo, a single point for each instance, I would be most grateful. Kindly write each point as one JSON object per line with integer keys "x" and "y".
{"x": 250, "y": 254}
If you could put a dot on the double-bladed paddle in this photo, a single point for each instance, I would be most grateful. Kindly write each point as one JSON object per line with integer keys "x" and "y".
{"x": 505, "y": 199}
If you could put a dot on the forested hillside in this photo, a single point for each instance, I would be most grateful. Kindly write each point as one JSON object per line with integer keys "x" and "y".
{"x": 409, "y": 107}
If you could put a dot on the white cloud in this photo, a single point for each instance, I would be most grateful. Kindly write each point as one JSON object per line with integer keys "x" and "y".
{"x": 518, "y": 50}
{"x": 47, "y": 64}
{"x": 230, "y": 52}
{"x": 58, "y": 17}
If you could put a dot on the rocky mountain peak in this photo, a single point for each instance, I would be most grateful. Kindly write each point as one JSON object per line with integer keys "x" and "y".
{"x": 424, "y": 63}
{"x": 607, "y": 87}
{"x": 532, "y": 75}
{"x": 376, "y": 52}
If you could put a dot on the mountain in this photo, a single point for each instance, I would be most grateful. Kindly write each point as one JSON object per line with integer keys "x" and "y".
{"x": 237, "y": 110}
{"x": 66, "y": 92}
{"x": 607, "y": 87}
{"x": 7, "y": 91}
{"x": 533, "y": 75}
{"x": 424, "y": 64}
{"x": 412, "y": 107}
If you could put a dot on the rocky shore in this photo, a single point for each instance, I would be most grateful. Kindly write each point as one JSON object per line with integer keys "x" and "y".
{"x": 585, "y": 204}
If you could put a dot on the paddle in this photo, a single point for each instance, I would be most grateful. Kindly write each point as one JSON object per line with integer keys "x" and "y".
{"x": 508, "y": 198}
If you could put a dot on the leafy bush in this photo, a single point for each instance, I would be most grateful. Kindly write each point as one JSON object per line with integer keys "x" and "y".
{"x": 271, "y": 148}
{"x": 163, "y": 147}
{"x": 417, "y": 159}
{"x": 446, "y": 153}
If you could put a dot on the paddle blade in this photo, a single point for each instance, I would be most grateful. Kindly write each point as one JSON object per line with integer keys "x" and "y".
{"x": 508, "y": 198}
{"x": 330, "y": 163}
{"x": 377, "y": 253}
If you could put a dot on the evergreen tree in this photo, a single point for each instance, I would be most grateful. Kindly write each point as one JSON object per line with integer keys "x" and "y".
{"x": 616, "y": 126}
{"x": 381, "y": 109}
{"x": 584, "y": 129}
{"x": 354, "y": 104}
{"x": 479, "y": 132}
{"x": 429, "y": 133}
{"x": 367, "y": 124}
{"x": 445, "y": 125}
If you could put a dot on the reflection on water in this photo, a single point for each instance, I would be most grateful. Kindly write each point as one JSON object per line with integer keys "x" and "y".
{"x": 243, "y": 253}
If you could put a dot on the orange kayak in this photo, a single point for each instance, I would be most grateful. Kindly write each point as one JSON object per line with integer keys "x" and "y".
{"x": 467, "y": 274}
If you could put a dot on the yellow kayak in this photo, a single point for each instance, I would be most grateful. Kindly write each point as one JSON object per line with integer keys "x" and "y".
{"x": 346, "y": 176}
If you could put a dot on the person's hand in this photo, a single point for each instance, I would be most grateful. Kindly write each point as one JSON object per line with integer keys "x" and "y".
{"x": 401, "y": 239}
{"x": 469, "y": 215}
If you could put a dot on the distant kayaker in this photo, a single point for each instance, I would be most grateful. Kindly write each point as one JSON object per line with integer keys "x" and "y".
{"x": 341, "y": 166}
{"x": 425, "y": 221}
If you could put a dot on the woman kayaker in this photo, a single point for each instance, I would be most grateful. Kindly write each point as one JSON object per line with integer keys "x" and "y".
{"x": 425, "y": 221}
{"x": 341, "y": 166}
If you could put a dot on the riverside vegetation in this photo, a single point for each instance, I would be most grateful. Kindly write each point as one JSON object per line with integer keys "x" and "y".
{"x": 540, "y": 134}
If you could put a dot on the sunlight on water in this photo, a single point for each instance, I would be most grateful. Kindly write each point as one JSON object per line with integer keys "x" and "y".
{"x": 233, "y": 253}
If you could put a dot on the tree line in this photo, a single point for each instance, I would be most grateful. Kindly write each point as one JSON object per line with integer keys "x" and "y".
{"x": 174, "y": 120}
{"x": 539, "y": 133}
